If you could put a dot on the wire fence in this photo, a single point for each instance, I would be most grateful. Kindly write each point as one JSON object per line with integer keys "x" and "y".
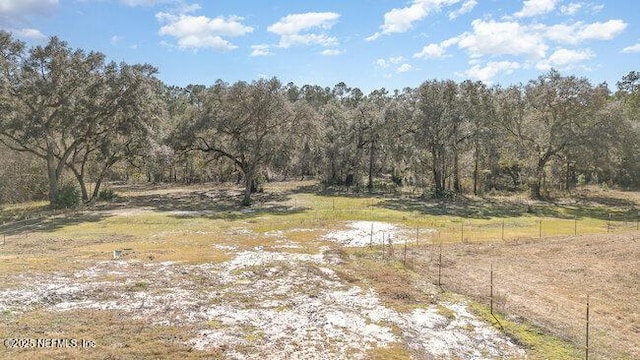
{"x": 586, "y": 319}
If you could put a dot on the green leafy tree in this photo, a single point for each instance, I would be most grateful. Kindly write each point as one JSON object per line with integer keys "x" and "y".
{"x": 246, "y": 123}
{"x": 551, "y": 115}
{"x": 42, "y": 92}
{"x": 71, "y": 109}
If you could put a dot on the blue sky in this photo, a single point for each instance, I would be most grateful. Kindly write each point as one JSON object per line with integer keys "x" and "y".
{"x": 365, "y": 43}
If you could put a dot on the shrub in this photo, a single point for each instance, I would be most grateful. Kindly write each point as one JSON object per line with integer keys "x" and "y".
{"x": 434, "y": 194}
{"x": 68, "y": 197}
{"x": 107, "y": 195}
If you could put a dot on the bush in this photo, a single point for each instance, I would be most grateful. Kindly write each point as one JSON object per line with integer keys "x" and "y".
{"x": 439, "y": 195}
{"x": 21, "y": 177}
{"x": 68, "y": 197}
{"x": 107, "y": 195}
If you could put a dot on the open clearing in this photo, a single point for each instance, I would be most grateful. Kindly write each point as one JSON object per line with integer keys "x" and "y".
{"x": 307, "y": 276}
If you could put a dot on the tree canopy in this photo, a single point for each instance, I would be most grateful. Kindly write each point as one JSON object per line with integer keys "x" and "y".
{"x": 85, "y": 120}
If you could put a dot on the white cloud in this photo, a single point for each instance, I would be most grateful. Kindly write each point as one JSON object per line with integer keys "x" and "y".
{"x": 404, "y": 68}
{"x": 579, "y": 32}
{"x": 287, "y": 41}
{"x": 602, "y": 31}
{"x": 632, "y": 49}
{"x": 563, "y": 33}
{"x": 331, "y": 52}
{"x": 401, "y": 20}
{"x": 465, "y": 8}
{"x": 29, "y": 34}
{"x": 295, "y": 23}
{"x": 501, "y": 38}
{"x": 488, "y": 72}
{"x": 431, "y": 51}
{"x": 15, "y": 13}
{"x": 194, "y": 32}
{"x": 536, "y": 7}
{"x": 18, "y": 9}
{"x": 293, "y": 29}
{"x": 571, "y": 8}
{"x": 394, "y": 60}
{"x": 260, "y": 50}
{"x": 143, "y": 2}
{"x": 564, "y": 59}
{"x": 382, "y": 63}
{"x": 115, "y": 39}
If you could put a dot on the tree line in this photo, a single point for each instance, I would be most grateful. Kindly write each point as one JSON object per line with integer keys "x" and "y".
{"x": 69, "y": 118}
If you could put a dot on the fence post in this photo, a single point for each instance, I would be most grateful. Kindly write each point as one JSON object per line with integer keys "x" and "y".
{"x": 440, "y": 267}
{"x": 404, "y": 259}
{"x": 491, "y": 293}
{"x": 609, "y": 223}
{"x": 540, "y": 235}
{"x": 502, "y": 230}
{"x": 586, "y": 354}
{"x": 575, "y": 225}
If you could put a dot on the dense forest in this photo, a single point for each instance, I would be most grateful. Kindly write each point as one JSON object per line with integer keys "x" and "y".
{"x": 70, "y": 121}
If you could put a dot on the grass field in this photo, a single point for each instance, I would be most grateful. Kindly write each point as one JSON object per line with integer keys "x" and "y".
{"x": 201, "y": 277}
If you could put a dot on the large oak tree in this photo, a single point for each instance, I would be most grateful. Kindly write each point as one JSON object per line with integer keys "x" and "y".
{"x": 65, "y": 106}
{"x": 246, "y": 123}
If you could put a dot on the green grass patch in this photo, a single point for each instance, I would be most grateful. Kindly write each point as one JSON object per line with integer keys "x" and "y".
{"x": 539, "y": 344}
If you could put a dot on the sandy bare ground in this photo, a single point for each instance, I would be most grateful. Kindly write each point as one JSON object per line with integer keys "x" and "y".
{"x": 263, "y": 304}
{"x": 276, "y": 296}
{"x": 547, "y": 282}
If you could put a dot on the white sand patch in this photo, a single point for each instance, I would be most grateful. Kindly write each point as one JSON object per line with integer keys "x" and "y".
{"x": 239, "y": 231}
{"x": 460, "y": 336}
{"x": 275, "y": 233}
{"x": 225, "y": 247}
{"x": 365, "y": 233}
{"x": 264, "y": 305}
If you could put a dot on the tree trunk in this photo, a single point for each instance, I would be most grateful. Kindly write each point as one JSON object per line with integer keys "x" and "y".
{"x": 96, "y": 190}
{"x": 52, "y": 173}
{"x": 456, "y": 171}
{"x": 476, "y": 161}
{"x": 438, "y": 177}
{"x": 83, "y": 185}
{"x": 248, "y": 184}
{"x": 371, "y": 158}
{"x": 536, "y": 186}
{"x": 568, "y": 175}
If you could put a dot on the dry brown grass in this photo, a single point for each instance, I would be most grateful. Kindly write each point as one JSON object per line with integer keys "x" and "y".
{"x": 543, "y": 281}
{"x": 116, "y": 337}
{"x": 546, "y": 282}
